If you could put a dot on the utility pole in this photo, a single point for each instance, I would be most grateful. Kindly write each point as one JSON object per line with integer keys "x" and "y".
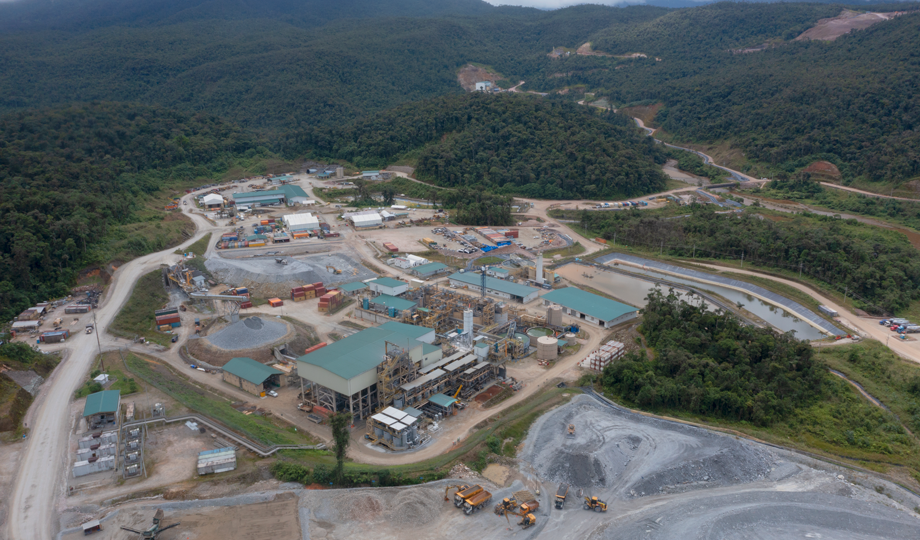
{"x": 98, "y": 343}
{"x": 694, "y": 251}
{"x": 661, "y": 250}
{"x": 846, "y": 290}
{"x": 800, "y": 269}
{"x": 614, "y": 238}
{"x": 742, "y": 259}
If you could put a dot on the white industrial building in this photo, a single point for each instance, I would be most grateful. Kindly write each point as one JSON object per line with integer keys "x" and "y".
{"x": 367, "y": 221}
{"x": 212, "y": 200}
{"x": 301, "y": 222}
{"x": 390, "y": 286}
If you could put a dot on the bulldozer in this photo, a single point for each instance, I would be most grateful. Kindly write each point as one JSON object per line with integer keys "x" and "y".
{"x": 593, "y": 503}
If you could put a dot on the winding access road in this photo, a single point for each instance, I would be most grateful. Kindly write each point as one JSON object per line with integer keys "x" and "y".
{"x": 32, "y": 501}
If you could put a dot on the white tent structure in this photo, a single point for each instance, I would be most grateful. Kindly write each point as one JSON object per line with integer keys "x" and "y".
{"x": 212, "y": 199}
{"x": 367, "y": 221}
{"x": 301, "y": 222}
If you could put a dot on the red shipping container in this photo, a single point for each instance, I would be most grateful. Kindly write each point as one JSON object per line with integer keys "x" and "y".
{"x": 307, "y": 288}
{"x": 315, "y": 347}
{"x": 244, "y": 305}
{"x": 318, "y": 284}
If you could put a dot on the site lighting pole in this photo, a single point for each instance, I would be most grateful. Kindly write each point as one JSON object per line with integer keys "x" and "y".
{"x": 98, "y": 343}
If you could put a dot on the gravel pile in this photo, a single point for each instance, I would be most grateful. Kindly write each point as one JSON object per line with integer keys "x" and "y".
{"x": 636, "y": 455}
{"x": 248, "y": 333}
{"x": 409, "y": 507}
{"x": 265, "y": 275}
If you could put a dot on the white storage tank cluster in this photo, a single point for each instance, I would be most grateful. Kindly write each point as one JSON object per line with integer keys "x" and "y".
{"x": 547, "y": 348}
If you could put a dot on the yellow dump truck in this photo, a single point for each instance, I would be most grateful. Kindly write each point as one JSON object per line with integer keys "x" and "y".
{"x": 461, "y": 496}
{"x": 476, "y": 502}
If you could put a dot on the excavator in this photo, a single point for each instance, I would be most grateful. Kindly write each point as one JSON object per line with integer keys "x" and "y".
{"x": 527, "y": 519}
{"x": 333, "y": 269}
{"x": 460, "y": 487}
{"x": 571, "y": 431}
{"x": 154, "y": 530}
{"x": 593, "y": 503}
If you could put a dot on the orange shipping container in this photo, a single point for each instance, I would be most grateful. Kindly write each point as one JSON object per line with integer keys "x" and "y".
{"x": 600, "y": 240}
{"x": 275, "y": 302}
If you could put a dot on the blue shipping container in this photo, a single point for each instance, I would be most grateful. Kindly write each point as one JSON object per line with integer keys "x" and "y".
{"x": 176, "y": 325}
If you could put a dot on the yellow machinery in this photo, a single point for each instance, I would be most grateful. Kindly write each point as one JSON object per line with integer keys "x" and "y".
{"x": 461, "y": 496}
{"x": 593, "y": 503}
{"x": 571, "y": 431}
{"x": 457, "y": 487}
{"x": 506, "y": 505}
{"x": 457, "y": 393}
{"x": 333, "y": 269}
{"x": 528, "y": 521}
{"x": 527, "y": 518}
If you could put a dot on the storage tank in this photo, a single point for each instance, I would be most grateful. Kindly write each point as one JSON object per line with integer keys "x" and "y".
{"x": 538, "y": 331}
{"x": 554, "y": 316}
{"x": 467, "y": 321}
{"x": 547, "y": 348}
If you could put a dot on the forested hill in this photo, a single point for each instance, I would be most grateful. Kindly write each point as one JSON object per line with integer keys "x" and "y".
{"x": 507, "y": 143}
{"x": 70, "y": 177}
{"x": 82, "y": 15}
{"x": 850, "y": 101}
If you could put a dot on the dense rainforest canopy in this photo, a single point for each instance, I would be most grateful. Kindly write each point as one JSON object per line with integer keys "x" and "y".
{"x": 286, "y": 65}
{"x": 709, "y": 363}
{"x": 70, "y": 176}
{"x": 878, "y": 267}
{"x": 507, "y": 143}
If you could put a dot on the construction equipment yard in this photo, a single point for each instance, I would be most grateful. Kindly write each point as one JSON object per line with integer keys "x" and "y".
{"x": 661, "y": 480}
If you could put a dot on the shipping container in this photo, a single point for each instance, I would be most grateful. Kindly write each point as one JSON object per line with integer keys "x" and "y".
{"x": 245, "y": 305}
{"x": 827, "y": 311}
{"x": 176, "y": 324}
{"x": 513, "y": 233}
{"x": 315, "y": 347}
{"x": 275, "y": 302}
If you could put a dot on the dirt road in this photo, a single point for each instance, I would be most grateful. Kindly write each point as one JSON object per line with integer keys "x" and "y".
{"x": 45, "y": 457}
{"x": 909, "y": 350}
{"x": 866, "y": 193}
{"x": 444, "y": 444}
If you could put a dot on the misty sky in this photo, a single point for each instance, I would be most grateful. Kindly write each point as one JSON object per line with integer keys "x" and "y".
{"x": 551, "y": 4}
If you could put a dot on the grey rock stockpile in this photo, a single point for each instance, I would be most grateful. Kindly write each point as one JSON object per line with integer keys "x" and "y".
{"x": 266, "y": 276}
{"x": 248, "y": 333}
{"x": 638, "y": 455}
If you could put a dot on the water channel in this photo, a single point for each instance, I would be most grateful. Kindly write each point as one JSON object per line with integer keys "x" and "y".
{"x": 633, "y": 290}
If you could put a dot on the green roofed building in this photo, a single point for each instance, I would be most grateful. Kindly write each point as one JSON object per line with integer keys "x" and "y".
{"x": 343, "y": 375}
{"x": 101, "y": 409}
{"x": 352, "y": 289}
{"x": 284, "y": 194}
{"x": 428, "y": 270}
{"x": 495, "y": 287}
{"x": 251, "y": 376}
{"x": 399, "y": 304}
{"x": 590, "y": 307}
